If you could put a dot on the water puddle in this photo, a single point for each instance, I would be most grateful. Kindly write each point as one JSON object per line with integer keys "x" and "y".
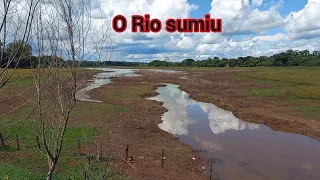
{"x": 240, "y": 150}
{"x": 101, "y": 79}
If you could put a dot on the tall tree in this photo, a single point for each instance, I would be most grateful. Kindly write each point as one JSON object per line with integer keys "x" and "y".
{"x": 65, "y": 30}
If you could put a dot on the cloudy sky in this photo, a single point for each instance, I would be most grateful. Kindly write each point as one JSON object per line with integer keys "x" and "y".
{"x": 250, "y": 27}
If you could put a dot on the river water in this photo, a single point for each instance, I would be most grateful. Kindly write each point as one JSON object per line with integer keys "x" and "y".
{"x": 105, "y": 77}
{"x": 101, "y": 79}
{"x": 239, "y": 150}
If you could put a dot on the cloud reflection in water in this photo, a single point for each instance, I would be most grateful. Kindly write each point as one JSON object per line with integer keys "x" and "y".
{"x": 177, "y": 119}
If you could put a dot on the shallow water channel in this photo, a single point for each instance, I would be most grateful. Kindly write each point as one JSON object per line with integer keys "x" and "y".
{"x": 105, "y": 77}
{"x": 101, "y": 79}
{"x": 240, "y": 150}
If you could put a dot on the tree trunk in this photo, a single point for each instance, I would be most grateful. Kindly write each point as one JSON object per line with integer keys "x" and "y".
{"x": 49, "y": 176}
{"x": 1, "y": 140}
{"x": 52, "y": 166}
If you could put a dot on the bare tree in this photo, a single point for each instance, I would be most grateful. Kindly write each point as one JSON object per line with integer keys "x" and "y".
{"x": 63, "y": 28}
{"x": 16, "y": 19}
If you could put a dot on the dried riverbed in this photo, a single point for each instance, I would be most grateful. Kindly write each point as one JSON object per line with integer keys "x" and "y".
{"x": 240, "y": 149}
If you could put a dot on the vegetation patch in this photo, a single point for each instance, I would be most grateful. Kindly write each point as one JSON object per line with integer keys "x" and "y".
{"x": 302, "y": 83}
{"x": 268, "y": 92}
{"x": 312, "y": 112}
{"x": 94, "y": 171}
{"x": 18, "y": 167}
{"x": 7, "y": 149}
{"x": 8, "y": 171}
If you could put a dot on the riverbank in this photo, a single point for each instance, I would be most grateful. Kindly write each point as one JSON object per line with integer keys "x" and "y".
{"x": 227, "y": 89}
{"x": 125, "y": 117}
{"x": 233, "y": 90}
{"x": 221, "y": 87}
{"x": 136, "y": 125}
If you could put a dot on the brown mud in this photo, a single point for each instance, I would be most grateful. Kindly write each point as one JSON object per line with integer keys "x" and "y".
{"x": 138, "y": 128}
{"x": 136, "y": 124}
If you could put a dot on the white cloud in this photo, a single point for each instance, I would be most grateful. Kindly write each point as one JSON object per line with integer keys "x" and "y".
{"x": 272, "y": 38}
{"x": 161, "y": 9}
{"x": 257, "y": 3}
{"x": 304, "y": 23}
{"x": 228, "y": 9}
{"x": 261, "y": 21}
{"x": 253, "y": 46}
{"x": 239, "y": 17}
{"x": 246, "y": 29}
{"x": 182, "y": 42}
{"x": 248, "y": 20}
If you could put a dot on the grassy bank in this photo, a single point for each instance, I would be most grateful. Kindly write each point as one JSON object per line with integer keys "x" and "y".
{"x": 299, "y": 85}
{"x": 30, "y": 161}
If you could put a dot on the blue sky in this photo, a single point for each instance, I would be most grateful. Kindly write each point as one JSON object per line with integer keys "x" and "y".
{"x": 204, "y": 7}
{"x": 250, "y": 28}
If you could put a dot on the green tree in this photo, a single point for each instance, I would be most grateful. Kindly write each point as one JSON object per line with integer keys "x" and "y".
{"x": 19, "y": 49}
{"x": 159, "y": 63}
{"x": 188, "y": 62}
{"x": 306, "y": 52}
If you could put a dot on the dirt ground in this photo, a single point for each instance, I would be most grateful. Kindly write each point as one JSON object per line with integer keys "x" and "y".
{"x": 219, "y": 88}
{"x": 135, "y": 122}
{"x": 138, "y": 127}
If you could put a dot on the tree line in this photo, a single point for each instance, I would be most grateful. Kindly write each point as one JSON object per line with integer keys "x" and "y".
{"x": 25, "y": 59}
{"x": 288, "y": 58}
{"x": 110, "y": 63}
{"x": 19, "y": 55}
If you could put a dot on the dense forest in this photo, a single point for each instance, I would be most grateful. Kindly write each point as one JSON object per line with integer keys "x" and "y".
{"x": 288, "y": 58}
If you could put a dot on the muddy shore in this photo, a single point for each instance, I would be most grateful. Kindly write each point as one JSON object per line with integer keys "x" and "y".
{"x": 227, "y": 93}
{"x": 138, "y": 127}
{"x": 126, "y": 117}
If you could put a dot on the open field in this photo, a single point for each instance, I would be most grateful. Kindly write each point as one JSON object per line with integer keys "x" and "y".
{"x": 290, "y": 84}
{"x": 17, "y": 102}
{"x": 301, "y": 83}
{"x": 282, "y": 98}
{"x": 285, "y": 99}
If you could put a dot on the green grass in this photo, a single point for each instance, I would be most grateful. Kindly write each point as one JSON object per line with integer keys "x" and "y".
{"x": 25, "y": 77}
{"x": 8, "y": 171}
{"x": 268, "y": 92}
{"x": 128, "y": 93}
{"x": 32, "y": 164}
{"x": 293, "y": 75}
{"x": 312, "y": 112}
{"x": 22, "y": 82}
{"x": 7, "y": 149}
{"x": 29, "y": 162}
{"x": 95, "y": 171}
{"x": 122, "y": 109}
{"x": 27, "y": 131}
{"x": 299, "y": 87}
{"x": 97, "y": 109}
{"x": 302, "y": 83}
